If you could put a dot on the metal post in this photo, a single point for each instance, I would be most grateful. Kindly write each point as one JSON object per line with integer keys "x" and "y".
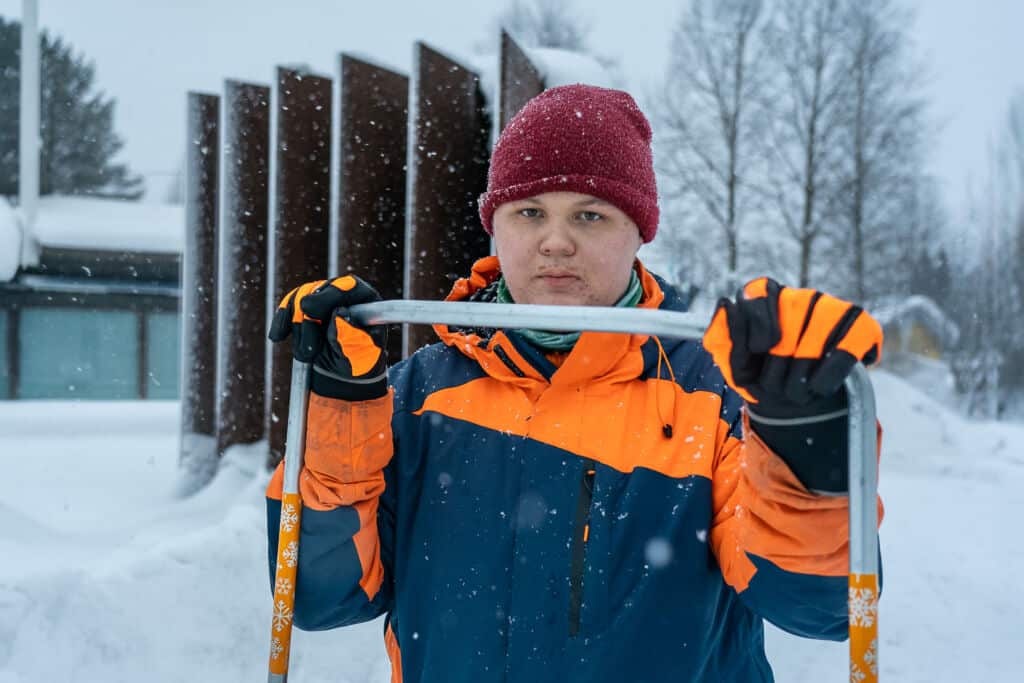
{"x": 28, "y": 133}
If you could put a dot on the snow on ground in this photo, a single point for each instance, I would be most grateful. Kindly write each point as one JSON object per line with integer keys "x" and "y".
{"x": 107, "y": 577}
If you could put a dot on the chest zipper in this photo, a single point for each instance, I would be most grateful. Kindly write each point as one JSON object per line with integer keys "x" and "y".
{"x": 579, "y": 544}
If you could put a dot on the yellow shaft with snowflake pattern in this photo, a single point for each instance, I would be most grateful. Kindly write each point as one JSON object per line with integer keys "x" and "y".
{"x": 288, "y": 534}
{"x": 863, "y": 628}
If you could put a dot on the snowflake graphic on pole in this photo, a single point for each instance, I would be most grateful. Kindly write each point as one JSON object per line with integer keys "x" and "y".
{"x": 276, "y": 648}
{"x": 863, "y": 607}
{"x": 871, "y": 657}
{"x": 283, "y": 586}
{"x": 282, "y": 616}
{"x": 289, "y": 517}
{"x": 291, "y": 554}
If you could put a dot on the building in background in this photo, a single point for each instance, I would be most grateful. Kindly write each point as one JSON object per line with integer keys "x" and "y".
{"x": 90, "y": 300}
{"x": 915, "y": 324}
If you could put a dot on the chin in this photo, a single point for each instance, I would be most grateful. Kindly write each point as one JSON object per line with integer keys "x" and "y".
{"x": 562, "y": 300}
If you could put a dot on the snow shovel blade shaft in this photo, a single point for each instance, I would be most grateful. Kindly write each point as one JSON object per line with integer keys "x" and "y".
{"x": 863, "y": 478}
{"x": 288, "y": 531}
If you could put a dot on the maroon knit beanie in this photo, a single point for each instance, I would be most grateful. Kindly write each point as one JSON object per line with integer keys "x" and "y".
{"x": 576, "y": 138}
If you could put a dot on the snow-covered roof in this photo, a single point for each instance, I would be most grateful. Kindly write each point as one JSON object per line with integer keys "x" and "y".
{"x": 10, "y": 241}
{"x": 562, "y": 67}
{"x": 893, "y": 309}
{"x": 109, "y": 225}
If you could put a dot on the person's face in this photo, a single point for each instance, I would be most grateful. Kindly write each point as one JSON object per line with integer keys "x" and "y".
{"x": 565, "y": 248}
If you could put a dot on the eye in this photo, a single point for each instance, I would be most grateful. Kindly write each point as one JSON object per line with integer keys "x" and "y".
{"x": 529, "y": 212}
{"x": 589, "y": 216}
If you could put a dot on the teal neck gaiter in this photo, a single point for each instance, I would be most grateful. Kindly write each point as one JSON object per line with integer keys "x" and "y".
{"x": 564, "y": 341}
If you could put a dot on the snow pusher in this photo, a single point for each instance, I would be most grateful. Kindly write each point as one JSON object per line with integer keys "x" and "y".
{"x": 863, "y": 474}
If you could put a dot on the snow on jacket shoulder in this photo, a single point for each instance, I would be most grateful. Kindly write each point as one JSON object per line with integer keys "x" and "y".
{"x": 597, "y": 521}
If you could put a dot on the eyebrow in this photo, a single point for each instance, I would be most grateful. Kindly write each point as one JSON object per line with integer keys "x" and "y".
{"x": 593, "y": 201}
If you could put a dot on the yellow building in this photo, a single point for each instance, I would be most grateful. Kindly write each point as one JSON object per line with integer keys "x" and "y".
{"x": 916, "y": 324}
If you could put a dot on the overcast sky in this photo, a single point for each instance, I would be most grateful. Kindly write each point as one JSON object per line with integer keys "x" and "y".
{"x": 148, "y": 53}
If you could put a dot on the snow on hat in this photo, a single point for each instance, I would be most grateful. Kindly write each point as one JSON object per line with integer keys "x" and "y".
{"x": 576, "y": 138}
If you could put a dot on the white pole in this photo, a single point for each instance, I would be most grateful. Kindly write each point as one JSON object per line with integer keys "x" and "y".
{"x": 28, "y": 134}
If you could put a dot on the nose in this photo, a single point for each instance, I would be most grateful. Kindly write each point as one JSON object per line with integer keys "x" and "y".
{"x": 557, "y": 240}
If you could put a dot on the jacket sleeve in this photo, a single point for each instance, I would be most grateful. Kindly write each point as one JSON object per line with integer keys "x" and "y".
{"x": 783, "y": 549}
{"x": 347, "y": 529}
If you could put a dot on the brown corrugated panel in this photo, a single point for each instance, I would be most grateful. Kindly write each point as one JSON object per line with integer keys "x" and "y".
{"x": 372, "y": 148}
{"x": 301, "y": 187}
{"x": 448, "y": 165}
{"x": 199, "y": 267}
{"x": 520, "y": 80}
{"x": 242, "y": 279}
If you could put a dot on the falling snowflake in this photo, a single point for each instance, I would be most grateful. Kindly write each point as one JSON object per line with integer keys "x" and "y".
{"x": 856, "y": 675}
{"x": 863, "y": 607}
{"x": 282, "y": 616}
{"x": 283, "y": 587}
{"x": 289, "y": 517}
{"x": 291, "y": 554}
{"x": 276, "y": 648}
{"x": 871, "y": 657}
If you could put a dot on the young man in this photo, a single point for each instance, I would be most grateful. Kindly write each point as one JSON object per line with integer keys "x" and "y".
{"x": 528, "y": 506}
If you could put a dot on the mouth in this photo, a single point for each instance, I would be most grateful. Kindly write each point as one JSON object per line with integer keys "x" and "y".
{"x": 558, "y": 280}
{"x": 558, "y": 275}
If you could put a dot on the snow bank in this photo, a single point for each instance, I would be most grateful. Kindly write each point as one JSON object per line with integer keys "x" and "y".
{"x": 114, "y": 578}
{"x": 118, "y": 579}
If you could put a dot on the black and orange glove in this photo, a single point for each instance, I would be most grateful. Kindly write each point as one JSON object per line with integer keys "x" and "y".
{"x": 348, "y": 361}
{"x": 788, "y": 352}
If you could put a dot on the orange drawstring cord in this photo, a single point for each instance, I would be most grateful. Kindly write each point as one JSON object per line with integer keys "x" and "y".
{"x": 666, "y": 427}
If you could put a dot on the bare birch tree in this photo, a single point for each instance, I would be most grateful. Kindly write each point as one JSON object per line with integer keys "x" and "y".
{"x": 546, "y": 23}
{"x": 706, "y": 121}
{"x": 1015, "y": 152}
{"x": 1010, "y": 214}
{"x": 990, "y": 310}
{"x": 883, "y": 129}
{"x": 805, "y": 52}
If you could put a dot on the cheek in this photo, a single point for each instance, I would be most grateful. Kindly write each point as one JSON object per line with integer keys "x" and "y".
{"x": 512, "y": 253}
{"x": 616, "y": 253}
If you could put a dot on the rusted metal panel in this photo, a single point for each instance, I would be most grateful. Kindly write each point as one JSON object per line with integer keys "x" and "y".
{"x": 299, "y": 239}
{"x": 199, "y": 276}
{"x": 370, "y": 200}
{"x": 242, "y": 276}
{"x": 449, "y": 136}
{"x": 520, "y": 80}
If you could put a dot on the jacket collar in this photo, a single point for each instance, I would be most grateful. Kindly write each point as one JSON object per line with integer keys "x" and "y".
{"x": 596, "y": 357}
